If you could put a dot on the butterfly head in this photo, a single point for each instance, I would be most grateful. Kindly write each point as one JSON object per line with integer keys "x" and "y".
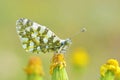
{"x": 65, "y": 44}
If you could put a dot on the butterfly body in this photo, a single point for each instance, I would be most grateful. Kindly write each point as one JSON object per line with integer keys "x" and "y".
{"x": 37, "y": 38}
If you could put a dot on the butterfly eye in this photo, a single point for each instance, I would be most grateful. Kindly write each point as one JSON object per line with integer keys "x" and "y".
{"x": 62, "y": 43}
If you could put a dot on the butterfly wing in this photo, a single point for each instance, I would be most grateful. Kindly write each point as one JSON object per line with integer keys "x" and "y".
{"x": 36, "y": 38}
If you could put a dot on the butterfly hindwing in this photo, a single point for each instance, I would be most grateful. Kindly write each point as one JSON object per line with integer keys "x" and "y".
{"x": 35, "y": 37}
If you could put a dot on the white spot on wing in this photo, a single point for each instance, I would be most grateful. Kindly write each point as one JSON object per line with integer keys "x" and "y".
{"x": 37, "y": 39}
{"x": 55, "y": 39}
{"x": 34, "y": 34}
{"x": 38, "y": 48}
{"x": 24, "y": 33}
{"x": 30, "y": 49}
{"x": 31, "y": 44}
{"x": 28, "y": 28}
{"x": 35, "y": 26}
{"x": 42, "y": 29}
{"x": 45, "y": 40}
{"x": 18, "y": 32}
{"x": 49, "y": 33}
{"x": 24, "y": 39}
{"x": 18, "y": 27}
{"x": 24, "y": 46}
{"x": 25, "y": 21}
{"x": 46, "y": 47}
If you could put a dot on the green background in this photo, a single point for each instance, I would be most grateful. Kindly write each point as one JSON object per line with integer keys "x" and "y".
{"x": 101, "y": 18}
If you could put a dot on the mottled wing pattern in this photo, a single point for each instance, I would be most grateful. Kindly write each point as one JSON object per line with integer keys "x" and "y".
{"x": 36, "y": 38}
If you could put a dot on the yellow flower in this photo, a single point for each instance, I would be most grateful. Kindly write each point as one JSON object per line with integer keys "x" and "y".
{"x": 112, "y": 66}
{"x": 80, "y": 57}
{"x": 112, "y": 62}
{"x": 118, "y": 71}
{"x": 57, "y": 68}
{"x": 34, "y": 66}
{"x": 57, "y": 60}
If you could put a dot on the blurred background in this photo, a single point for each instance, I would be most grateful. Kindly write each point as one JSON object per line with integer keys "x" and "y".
{"x": 101, "y": 18}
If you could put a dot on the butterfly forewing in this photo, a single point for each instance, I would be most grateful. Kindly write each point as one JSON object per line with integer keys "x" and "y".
{"x": 36, "y": 38}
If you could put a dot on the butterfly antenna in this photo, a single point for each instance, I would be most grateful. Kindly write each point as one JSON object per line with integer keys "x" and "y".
{"x": 82, "y": 30}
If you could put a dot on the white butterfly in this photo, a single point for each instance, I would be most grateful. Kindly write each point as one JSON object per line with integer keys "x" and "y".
{"x": 37, "y": 38}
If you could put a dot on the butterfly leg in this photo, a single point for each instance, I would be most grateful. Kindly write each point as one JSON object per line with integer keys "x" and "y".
{"x": 60, "y": 50}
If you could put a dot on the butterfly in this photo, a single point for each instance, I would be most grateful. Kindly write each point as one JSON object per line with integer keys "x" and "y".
{"x": 37, "y": 38}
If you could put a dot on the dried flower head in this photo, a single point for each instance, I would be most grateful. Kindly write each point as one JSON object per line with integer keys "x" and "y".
{"x": 34, "y": 66}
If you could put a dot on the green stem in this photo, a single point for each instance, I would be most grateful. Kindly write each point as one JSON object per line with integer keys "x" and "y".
{"x": 59, "y": 74}
{"x": 108, "y": 76}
